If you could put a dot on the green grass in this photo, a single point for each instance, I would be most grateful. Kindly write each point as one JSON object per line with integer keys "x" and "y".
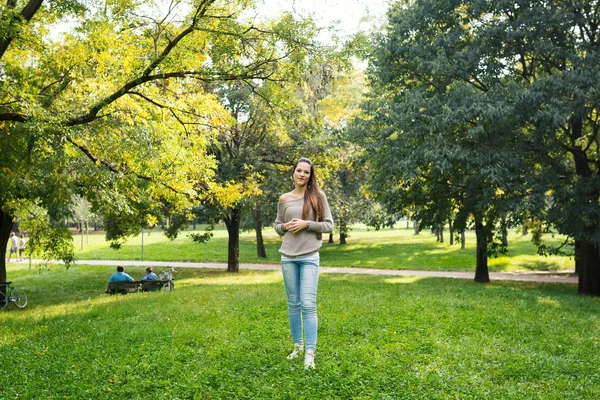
{"x": 388, "y": 249}
{"x": 223, "y": 336}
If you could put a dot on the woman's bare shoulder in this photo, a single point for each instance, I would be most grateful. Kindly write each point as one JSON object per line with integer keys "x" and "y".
{"x": 287, "y": 197}
{"x": 284, "y": 197}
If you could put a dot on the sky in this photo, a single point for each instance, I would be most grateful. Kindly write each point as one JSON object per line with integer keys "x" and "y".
{"x": 349, "y": 16}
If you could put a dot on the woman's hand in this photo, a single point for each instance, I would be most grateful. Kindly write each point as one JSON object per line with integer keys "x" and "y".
{"x": 296, "y": 225}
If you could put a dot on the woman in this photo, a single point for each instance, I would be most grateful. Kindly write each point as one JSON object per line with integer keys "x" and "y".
{"x": 303, "y": 215}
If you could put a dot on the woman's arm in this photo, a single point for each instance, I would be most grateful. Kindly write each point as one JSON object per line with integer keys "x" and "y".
{"x": 279, "y": 224}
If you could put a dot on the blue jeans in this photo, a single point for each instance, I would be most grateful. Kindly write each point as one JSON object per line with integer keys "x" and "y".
{"x": 301, "y": 279}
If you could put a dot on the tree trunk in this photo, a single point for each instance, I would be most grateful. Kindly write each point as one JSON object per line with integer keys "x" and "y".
{"x": 463, "y": 240}
{"x": 589, "y": 252}
{"x": 504, "y": 230}
{"x": 451, "y": 232}
{"x": 6, "y": 225}
{"x": 343, "y": 231}
{"x": 260, "y": 243}
{"x": 331, "y": 238}
{"x": 577, "y": 255}
{"x": 232, "y": 222}
{"x": 588, "y": 265}
{"x": 441, "y": 233}
{"x": 481, "y": 268}
{"x": 416, "y": 226}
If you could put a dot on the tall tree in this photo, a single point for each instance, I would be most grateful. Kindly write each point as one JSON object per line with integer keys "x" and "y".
{"x": 501, "y": 96}
{"x": 435, "y": 132}
{"x": 116, "y": 110}
{"x": 235, "y": 151}
{"x": 345, "y": 181}
{"x": 275, "y": 124}
{"x": 252, "y": 148}
{"x": 557, "y": 71}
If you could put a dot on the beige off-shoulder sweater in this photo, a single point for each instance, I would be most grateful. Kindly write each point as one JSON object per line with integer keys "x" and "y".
{"x": 307, "y": 240}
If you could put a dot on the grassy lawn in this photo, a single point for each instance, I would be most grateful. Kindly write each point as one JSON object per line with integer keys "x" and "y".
{"x": 223, "y": 336}
{"x": 388, "y": 249}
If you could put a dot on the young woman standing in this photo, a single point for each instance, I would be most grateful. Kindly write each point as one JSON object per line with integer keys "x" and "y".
{"x": 303, "y": 215}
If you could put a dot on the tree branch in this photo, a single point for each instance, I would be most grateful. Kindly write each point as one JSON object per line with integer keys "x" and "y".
{"x": 145, "y": 75}
{"x": 25, "y": 16}
{"x": 15, "y": 117}
{"x": 123, "y": 169}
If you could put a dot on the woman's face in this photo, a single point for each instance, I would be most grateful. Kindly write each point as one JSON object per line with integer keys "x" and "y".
{"x": 302, "y": 173}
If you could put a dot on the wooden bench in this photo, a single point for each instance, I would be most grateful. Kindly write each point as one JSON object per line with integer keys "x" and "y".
{"x": 136, "y": 286}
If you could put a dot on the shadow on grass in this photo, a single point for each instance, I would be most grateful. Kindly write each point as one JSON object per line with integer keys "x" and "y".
{"x": 458, "y": 288}
{"x": 529, "y": 265}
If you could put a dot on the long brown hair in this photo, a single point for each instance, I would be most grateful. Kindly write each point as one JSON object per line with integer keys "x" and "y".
{"x": 312, "y": 198}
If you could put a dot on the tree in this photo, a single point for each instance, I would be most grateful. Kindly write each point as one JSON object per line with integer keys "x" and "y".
{"x": 240, "y": 152}
{"x": 81, "y": 211}
{"x": 246, "y": 150}
{"x": 349, "y": 204}
{"x": 437, "y": 135}
{"x": 516, "y": 85}
{"x": 273, "y": 125}
{"x": 556, "y": 78}
{"x": 117, "y": 110}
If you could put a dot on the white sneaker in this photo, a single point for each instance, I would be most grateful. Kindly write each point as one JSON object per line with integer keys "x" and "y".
{"x": 298, "y": 348}
{"x": 309, "y": 359}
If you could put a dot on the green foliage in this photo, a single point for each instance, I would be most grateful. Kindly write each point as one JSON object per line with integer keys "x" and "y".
{"x": 121, "y": 111}
{"x": 433, "y": 144}
{"x": 226, "y": 336}
{"x": 476, "y": 114}
{"x": 346, "y": 178}
{"x": 45, "y": 238}
{"x": 379, "y": 218}
{"x": 203, "y": 237}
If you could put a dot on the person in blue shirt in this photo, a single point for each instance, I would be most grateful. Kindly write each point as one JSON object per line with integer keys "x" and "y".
{"x": 120, "y": 276}
{"x": 150, "y": 276}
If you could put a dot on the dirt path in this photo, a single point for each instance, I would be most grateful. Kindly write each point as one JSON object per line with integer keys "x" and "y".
{"x": 541, "y": 276}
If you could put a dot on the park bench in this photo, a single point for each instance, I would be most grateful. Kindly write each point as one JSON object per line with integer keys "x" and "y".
{"x": 137, "y": 286}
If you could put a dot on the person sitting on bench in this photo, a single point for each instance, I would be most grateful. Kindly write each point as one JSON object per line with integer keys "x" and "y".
{"x": 150, "y": 281}
{"x": 150, "y": 276}
{"x": 120, "y": 276}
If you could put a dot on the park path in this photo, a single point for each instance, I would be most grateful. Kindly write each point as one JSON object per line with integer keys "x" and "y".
{"x": 538, "y": 276}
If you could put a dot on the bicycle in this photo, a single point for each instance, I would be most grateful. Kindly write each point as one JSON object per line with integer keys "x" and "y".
{"x": 13, "y": 295}
{"x": 168, "y": 276}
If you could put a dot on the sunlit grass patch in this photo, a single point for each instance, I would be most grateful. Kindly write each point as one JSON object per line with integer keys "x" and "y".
{"x": 404, "y": 279}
